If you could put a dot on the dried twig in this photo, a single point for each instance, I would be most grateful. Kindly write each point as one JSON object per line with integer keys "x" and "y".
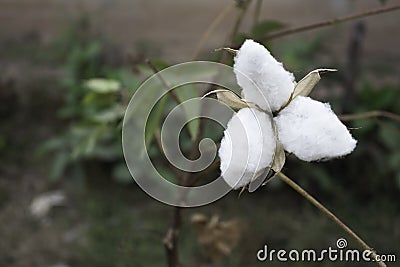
{"x": 257, "y": 12}
{"x": 171, "y": 238}
{"x": 238, "y": 23}
{"x": 211, "y": 28}
{"x": 330, "y": 215}
{"x": 162, "y": 80}
{"x": 369, "y": 115}
{"x": 325, "y": 23}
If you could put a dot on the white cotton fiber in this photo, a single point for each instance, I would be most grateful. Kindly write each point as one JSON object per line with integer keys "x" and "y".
{"x": 274, "y": 84}
{"x": 310, "y": 130}
{"x": 247, "y": 147}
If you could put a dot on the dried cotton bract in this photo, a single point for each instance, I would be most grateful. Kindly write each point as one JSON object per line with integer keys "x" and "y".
{"x": 253, "y": 142}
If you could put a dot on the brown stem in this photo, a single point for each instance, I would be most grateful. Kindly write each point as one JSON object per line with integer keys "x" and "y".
{"x": 257, "y": 12}
{"x": 354, "y": 57}
{"x": 157, "y": 136}
{"x": 163, "y": 81}
{"x": 370, "y": 114}
{"x": 242, "y": 12}
{"x": 211, "y": 28}
{"x": 330, "y": 215}
{"x": 171, "y": 239}
{"x": 325, "y": 23}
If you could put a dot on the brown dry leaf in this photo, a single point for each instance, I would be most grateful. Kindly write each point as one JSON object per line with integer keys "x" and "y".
{"x": 217, "y": 238}
{"x": 229, "y": 98}
{"x": 305, "y": 85}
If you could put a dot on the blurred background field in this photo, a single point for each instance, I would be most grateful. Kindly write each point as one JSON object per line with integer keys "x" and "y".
{"x": 59, "y": 136}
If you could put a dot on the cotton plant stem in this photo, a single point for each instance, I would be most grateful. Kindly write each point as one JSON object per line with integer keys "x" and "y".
{"x": 211, "y": 28}
{"x": 325, "y": 23}
{"x": 163, "y": 81}
{"x": 257, "y": 12}
{"x": 370, "y": 114}
{"x": 171, "y": 238}
{"x": 238, "y": 23}
{"x": 329, "y": 214}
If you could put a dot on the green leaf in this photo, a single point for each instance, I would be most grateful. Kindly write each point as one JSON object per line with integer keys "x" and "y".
{"x": 266, "y": 26}
{"x": 111, "y": 114}
{"x": 187, "y": 92}
{"x": 86, "y": 139}
{"x": 102, "y": 86}
{"x": 167, "y": 174}
{"x": 389, "y": 135}
{"x": 159, "y": 64}
{"x": 108, "y": 152}
{"x": 121, "y": 173}
{"x": 154, "y": 119}
{"x": 59, "y": 164}
{"x": 240, "y": 38}
{"x": 145, "y": 70}
{"x": 128, "y": 80}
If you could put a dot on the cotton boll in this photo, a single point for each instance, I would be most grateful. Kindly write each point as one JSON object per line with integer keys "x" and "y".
{"x": 247, "y": 147}
{"x": 263, "y": 79}
{"x": 310, "y": 130}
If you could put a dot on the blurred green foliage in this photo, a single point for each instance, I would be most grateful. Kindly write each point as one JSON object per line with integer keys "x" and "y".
{"x": 95, "y": 98}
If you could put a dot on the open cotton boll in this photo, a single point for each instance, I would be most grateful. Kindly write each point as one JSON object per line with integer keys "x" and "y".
{"x": 310, "y": 130}
{"x": 274, "y": 84}
{"x": 247, "y": 147}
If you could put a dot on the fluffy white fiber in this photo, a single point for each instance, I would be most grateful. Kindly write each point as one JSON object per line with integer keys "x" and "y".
{"x": 274, "y": 84}
{"x": 247, "y": 147}
{"x": 310, "y": 130}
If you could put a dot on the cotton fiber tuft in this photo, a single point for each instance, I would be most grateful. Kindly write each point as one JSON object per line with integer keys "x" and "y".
{"x": 310, "y": 130}
{"x": 247, "y": 147}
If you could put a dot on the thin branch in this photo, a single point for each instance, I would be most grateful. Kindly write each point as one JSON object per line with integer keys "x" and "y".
{"x": 171, "y": 238}
{"x": 330, "y": 215}
{"x": 211, "y": 28}
{"x": 214, "y": 165}
{"x": 354, "y": 57}
{"x": 257, "y": 12}
{"x": 230, "y": 39}
{"x": 162, "y": 80}
{"x": 238, "y": 23}
{"x": 157, "y": 136}
{"x": 370, "y": 114}
{"x": 321, "y": 24}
